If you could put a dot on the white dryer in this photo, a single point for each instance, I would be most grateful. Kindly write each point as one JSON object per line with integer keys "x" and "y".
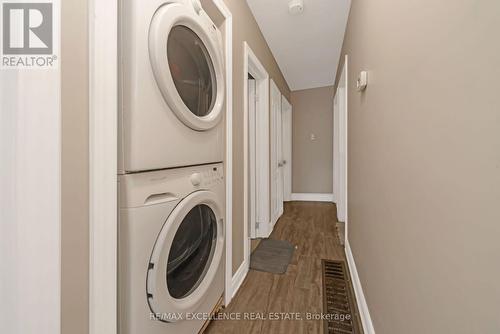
{"x": 171, "y": 249}
{"x": 172, "y": 89}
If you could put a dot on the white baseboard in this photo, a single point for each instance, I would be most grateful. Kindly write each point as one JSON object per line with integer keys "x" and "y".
{"x": 239, "y": 277}
{"x": 364, "y": 312}
{"x": 312, "y": 197}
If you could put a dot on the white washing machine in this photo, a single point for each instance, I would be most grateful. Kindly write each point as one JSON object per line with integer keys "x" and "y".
{"x": 172, "y": 89}
{"x": 171, "y": 249}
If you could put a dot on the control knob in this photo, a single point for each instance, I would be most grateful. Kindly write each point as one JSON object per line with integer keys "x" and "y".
{"x": 195, "y": 179}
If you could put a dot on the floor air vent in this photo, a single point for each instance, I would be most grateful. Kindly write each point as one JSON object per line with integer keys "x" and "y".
{"x": 338, "y": 300}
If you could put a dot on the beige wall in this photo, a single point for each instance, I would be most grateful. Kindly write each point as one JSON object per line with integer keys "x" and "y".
{"x": 245, "y": 28}
{"x": 424, "y": 163}
{"x": 312, "y": 159}
{"x": 74, "y": 233}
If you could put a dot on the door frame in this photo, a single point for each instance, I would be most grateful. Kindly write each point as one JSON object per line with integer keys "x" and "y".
{"x": 286, "y": 105}
{"x": 103, "y": 144}
{"x": 228, "y": 163}
{"x": 252, "y": 157}
{"x": 103, "y": 137}
{"x": 275, "y": 215}
{"x": 253, "y": 66}
{"x": 340, "y": 119}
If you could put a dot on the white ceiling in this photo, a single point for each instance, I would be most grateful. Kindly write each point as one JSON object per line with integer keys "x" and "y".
{"x": 306, "y": 46}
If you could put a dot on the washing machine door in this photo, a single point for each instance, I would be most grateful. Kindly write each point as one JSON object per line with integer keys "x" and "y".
{"x": 187, "y": 62}
{"x": 186, "y": 256}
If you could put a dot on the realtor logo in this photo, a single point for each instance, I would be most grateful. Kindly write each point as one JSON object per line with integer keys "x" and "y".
{"x": 28, "y": 34}
{"x": 27, "y": 28}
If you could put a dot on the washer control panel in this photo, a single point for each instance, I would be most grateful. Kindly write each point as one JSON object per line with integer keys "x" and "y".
{"x": 207, "y": 177}
{"x": 195, "y": 179}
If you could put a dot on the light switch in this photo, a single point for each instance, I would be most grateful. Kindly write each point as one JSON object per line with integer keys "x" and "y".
{"x": 362, "y": 81}
{"x": 313, "y": 137}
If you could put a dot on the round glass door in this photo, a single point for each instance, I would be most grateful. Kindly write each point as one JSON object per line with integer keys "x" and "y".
{"x": 187, "y": 59}
{"x": 191, "y": 251}
{"x": 187, "y": 255}
{"x": 192, "y": 70}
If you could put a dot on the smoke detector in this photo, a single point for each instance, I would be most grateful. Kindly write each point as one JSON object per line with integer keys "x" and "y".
{"x": 296, "y": 7}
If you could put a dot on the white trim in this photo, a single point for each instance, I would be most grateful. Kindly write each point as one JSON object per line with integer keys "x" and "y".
{"x": 335, "y": 155}
{"x": 239, "y": 277}
{"x": 364, "y": 312}
{"x": 252, "y": 151}
{"x": 252, "y": 65}
{"x": 309, "y": 197}
{"x": 221, "y": 6}
{"x": 346, "y": 138}
{"x": 340, "y": 162}
{"x": 286, "y": 106}
{"x": 103, "y": 31}
{"x": 275, "y": 143}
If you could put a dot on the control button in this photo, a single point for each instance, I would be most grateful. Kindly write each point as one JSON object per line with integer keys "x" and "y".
{"x": 196, "y": 179}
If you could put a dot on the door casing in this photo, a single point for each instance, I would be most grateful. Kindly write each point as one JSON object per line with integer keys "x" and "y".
{"x": 276, "y": 155}
{"x": 256, "y": 148}
{"x": 286, "y": 111}
{"x": 340, "y": 154}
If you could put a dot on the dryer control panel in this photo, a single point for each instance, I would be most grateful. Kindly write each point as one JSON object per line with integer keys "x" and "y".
{"x": 207, "y": 178}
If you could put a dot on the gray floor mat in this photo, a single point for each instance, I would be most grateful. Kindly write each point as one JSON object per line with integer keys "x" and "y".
{"x": 272, "y": 256}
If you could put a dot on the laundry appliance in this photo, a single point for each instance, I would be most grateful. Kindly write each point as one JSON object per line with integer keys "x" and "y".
{"x": 171, "y": 249}
{"x": 172, "y": 89}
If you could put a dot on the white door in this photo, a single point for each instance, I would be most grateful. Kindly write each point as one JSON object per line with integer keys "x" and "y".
{"x": 279, "y": 151}
{"x": 286, "y": 112}
{"x": 336, "y": 137}
{"x": 252, "y": 157}
{"x": 340, "y": 146}
{"x": 276, "y": 165}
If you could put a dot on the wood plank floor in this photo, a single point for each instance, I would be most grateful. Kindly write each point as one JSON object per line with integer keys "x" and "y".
{"x": 311, "y": 227}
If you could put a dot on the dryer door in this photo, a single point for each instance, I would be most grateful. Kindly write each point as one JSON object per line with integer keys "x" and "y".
{"x": 186, "y": 256}
{"x": 186, "y": 59}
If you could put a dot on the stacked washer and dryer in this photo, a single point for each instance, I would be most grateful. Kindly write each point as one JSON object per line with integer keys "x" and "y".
{"x": 171, "y": 175}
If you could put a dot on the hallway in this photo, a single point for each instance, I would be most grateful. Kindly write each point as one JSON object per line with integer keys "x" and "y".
{"x": 311, "y": 227}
